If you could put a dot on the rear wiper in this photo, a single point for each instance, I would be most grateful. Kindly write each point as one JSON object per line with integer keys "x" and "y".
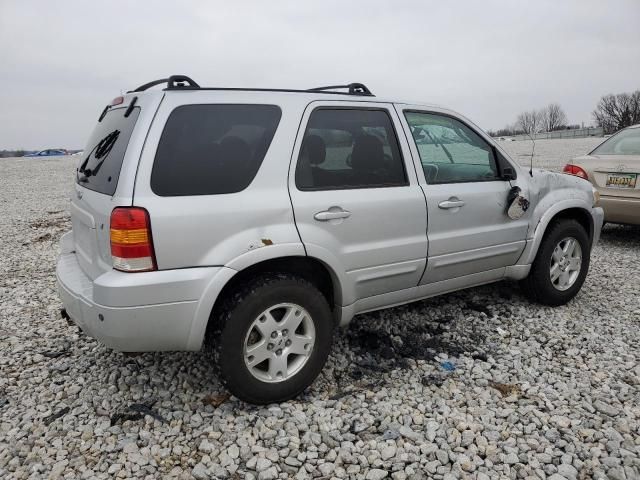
{"x": 104, "y": 112}
{"x": 130, "y": 107}
{"x": 102, "y": 150}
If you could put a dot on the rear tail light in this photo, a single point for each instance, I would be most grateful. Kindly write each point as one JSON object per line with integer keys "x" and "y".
{"x": 131, "y": 242}
{"x": 575, "y": 170}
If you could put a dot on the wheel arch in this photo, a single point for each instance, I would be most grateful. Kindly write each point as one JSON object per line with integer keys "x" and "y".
{"x": 570, "y": 210}
{"x": 311, "y": 269}
{"x": 580, "y": 214}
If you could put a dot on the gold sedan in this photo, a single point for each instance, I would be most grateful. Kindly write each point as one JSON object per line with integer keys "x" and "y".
{"x": 613, "y": 168}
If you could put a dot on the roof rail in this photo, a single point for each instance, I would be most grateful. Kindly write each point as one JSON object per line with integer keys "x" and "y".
{"x": 174, "y": 82}
{"x": 353, "y": 88}
{"x": 182, "y": 82}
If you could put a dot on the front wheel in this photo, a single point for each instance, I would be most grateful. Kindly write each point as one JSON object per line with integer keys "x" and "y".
{"x": 271, "y": 338}
{"x": 561, "y": 265}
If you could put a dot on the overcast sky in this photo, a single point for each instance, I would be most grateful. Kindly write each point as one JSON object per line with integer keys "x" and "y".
{"x": 62, "y": 61}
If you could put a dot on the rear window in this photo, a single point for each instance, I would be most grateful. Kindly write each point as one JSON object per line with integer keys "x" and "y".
{"x": 212, "y": 149}
{"x": 101, "y": 161}
{"x": 625, "y": 142}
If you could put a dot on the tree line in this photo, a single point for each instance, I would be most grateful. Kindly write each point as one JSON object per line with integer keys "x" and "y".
{"x": 612, "y": 113}
{"x": 547, "y": 119}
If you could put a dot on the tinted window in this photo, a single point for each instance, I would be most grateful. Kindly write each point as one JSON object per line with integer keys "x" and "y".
{"x": 626, "y": 142}
{"x": 212, "y": 149}
{"x": 100, "y": 168}
{"x": 450, "y": 151}
{"x": 349, "y": 148}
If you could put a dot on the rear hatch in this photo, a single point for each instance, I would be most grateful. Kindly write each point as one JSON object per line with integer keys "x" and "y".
{"x": 105, "y": 176}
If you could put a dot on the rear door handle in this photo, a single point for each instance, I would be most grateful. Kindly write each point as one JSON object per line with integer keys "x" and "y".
{"x": 332, "y": 214}
{"x": 451, "y": 204}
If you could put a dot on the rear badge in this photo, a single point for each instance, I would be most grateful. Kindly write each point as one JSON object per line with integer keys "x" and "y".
{"x": 517, "y": 203}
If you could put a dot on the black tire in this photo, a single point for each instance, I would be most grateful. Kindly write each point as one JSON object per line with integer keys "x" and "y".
{"x": 235, "y": 317}
{"x": 538, "y": 286}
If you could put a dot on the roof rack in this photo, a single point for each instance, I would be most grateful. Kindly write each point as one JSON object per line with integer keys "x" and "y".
{"x": 174, "y": 82}
{"x": 182, "y": 82}
{"x": 352, "y": 88}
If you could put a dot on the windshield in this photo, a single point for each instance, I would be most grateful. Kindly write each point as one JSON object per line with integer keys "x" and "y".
{"x": 625, "y": 142}
{"x": 100, "y": 168}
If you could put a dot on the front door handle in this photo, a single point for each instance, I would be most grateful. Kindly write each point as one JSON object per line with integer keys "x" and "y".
{"x": 451, "y": 203}
{"x": 334, "y": 213}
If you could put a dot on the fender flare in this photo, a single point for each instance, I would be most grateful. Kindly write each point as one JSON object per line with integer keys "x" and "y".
{"x": 253, "y": 257}
{"x": 337, "y": 272}
{"x": 533, "y": 244}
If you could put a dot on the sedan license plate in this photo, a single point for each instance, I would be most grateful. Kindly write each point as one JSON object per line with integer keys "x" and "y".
{"x": 622, "y": 180}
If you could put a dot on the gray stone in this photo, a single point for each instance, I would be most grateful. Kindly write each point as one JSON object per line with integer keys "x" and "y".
{"x": 388, "y": 451}
{"x": 262, "y": 464}
{"x": 442, "y": 456}
{"x": 511, "y": 459}
{"x": 605, "y": 408}
{"x": 376, "y": 474}
{"x": 567, "y": 471}
{"x": 200, "y": 472}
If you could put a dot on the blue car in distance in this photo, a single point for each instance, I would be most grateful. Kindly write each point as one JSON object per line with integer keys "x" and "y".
{"x": 47, "y": 153}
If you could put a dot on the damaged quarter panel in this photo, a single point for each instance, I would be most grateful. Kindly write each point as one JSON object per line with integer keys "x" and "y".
{"x": 551, "y": 193}
{"x": 227, "y": 228}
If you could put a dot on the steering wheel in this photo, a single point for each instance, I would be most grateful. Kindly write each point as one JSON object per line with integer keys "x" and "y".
{"x": 430, "y": 172}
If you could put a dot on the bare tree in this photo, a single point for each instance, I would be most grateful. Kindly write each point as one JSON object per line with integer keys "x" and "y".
{"x": 553, "y": 117}
{"x": 614, "y": 112}
{"x": 530, "y": 122}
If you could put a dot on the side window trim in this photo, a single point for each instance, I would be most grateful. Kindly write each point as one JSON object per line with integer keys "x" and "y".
{"x": 389, "y": 110}
{"x": 496, "y": 154}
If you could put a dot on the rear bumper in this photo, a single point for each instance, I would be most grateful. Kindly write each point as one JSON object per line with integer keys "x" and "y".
{"x": 621, "y": 209}
{"x": 134, "y": 312}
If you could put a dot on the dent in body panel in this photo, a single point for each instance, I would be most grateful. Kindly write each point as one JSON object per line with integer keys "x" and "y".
{"x": 550, "y": 194}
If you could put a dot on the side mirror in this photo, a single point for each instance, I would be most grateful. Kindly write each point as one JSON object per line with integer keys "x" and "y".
{"x": 508, "y": 174}
{"x": 517, "y": 204}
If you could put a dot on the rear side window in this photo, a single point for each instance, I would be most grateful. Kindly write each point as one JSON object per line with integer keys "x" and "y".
{"x": 101, "y": 161}
{"x": 212, "y": 149}
{"x": 349, "y": 148}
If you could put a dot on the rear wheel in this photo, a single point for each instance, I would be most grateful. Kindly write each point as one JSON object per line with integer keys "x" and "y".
{"x": 561, "y": 265}
{"x": 271, "y": 338}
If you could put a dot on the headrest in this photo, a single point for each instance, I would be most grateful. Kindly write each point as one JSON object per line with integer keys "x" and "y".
{"x": 314, "y": 149}
{"x": 368, "y": 153}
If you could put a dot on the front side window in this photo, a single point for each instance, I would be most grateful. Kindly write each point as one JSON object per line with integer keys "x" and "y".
{"x": 349, "y": 148}
{"x": 212, "y": 149}
{"x": 450, "y": 152}
{"x": 625, "y": 142}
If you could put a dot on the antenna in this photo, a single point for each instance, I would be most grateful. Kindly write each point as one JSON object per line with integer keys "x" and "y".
{"x": 533, "y": 149}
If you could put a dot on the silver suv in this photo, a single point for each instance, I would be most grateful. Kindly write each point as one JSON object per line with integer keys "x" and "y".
{"x": 255, "y": 221}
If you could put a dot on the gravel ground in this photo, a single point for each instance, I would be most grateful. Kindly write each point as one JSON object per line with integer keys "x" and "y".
{"x": 478, "y": 384}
